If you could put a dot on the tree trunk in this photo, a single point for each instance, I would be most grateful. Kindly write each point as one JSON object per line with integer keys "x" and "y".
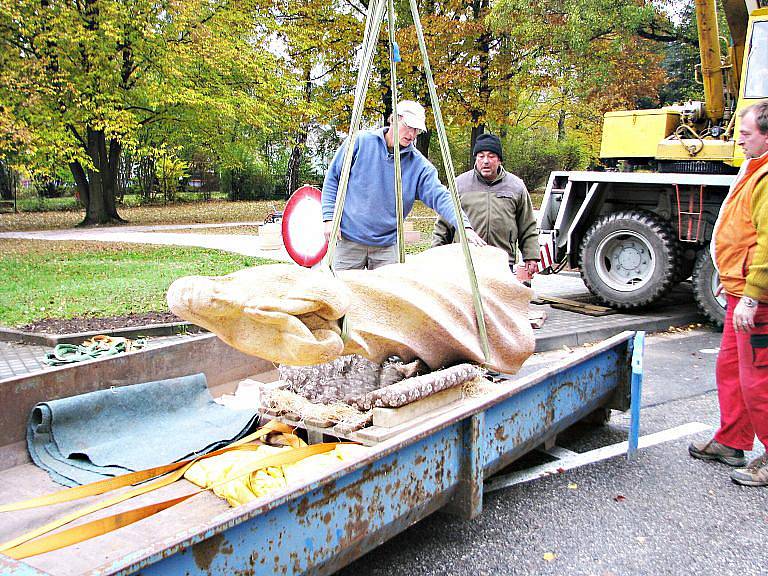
{"x": 422, "y": 143}
{"x": 294, "y": 161}
{"x": 561, "y": 125}
{"x": 7, "y": 182}
{"x": 476, "y": 131}
{"x": 146, "y": 175}
{"x": 483, "y": 42}
{"x": 125, "y": 169}
{"x": 97, "y": 185}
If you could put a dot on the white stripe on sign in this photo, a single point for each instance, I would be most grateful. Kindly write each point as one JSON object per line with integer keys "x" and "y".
{"x": 574, "y": 460}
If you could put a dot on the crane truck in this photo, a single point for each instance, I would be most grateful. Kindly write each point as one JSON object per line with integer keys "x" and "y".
{"x": 644, "y": 224}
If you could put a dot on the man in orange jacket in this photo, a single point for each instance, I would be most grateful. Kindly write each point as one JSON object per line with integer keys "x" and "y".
{"x": 740, "y": 252}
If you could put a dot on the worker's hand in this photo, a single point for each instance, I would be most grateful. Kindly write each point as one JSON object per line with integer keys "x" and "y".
{"x": 531, "y": 267}
{"x": 719, "y": 290}
{"x": 473, "y": 238}
{"x": 744, "y": 317}
{"x": 328, "y": 228}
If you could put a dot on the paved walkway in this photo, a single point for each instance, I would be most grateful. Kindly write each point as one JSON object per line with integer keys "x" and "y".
{"x": 18, "y": 359}
{"x": 247, "y": 244}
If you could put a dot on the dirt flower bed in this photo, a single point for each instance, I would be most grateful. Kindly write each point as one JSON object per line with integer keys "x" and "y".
{"x": 88, "y": 324}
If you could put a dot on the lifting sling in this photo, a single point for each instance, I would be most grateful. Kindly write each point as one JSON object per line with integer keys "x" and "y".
{"x": 373, "y": 21}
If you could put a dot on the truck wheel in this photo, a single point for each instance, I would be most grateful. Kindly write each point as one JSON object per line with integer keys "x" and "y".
{"x": 629, "y": 258}
{"x": 705, "y": 282}
{"x": 687, "y": 262}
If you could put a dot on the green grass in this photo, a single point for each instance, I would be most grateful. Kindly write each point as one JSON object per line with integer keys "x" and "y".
{"x": 43, "y": 279}
{"x": 68, "y": 279}
{"x": 35, "y": 203}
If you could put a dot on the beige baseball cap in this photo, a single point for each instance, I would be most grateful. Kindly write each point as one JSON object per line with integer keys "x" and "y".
{"x": 413, "y": 114}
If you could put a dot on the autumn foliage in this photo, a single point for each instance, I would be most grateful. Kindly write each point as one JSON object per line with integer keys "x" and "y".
{"x": 88, "y": 84}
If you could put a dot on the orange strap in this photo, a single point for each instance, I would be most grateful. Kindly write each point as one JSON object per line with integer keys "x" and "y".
{"x": 177, "y": 471}
{"x": 102, "y": 486}
{"x": 105, "y": 525}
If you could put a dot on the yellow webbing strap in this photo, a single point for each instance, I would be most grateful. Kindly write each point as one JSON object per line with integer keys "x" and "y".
{"x": 102, "y": 486}
{"x": 442, "y": 138}
{"x": 121, "y": 481}
{"x": 108, "y": 524}
{"x": 395, "y": 135}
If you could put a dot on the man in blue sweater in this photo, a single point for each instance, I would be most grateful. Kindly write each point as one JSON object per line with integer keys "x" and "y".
{"x": 369, "y": 221}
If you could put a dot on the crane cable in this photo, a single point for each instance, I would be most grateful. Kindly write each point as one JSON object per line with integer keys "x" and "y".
{"x": 395, "y": 127}
{"x": 449, "y": 173}
{"x": 373, "y": 20}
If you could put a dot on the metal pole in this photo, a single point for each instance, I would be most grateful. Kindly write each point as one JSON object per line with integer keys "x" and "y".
{"x": 636, "y": 393}
{"x": 396, "y": 133}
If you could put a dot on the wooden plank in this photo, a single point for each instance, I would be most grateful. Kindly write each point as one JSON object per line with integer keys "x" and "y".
{"x": 391, "y": 417}
{"x": 375, "y": 434}
{"x": 574, "y": 306}
{"x": 344, "y": 429}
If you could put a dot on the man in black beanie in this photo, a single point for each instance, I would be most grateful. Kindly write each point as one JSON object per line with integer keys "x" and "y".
{"x": 497, "y": 204}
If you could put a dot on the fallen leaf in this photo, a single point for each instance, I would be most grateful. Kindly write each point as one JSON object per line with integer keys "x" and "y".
{"x": 572, "y": 486}
{"x": 619, "y": 498}
{"x": 560, "y": 470}
{"x": 641, "y": 539}
{"x": 549, "y": 556}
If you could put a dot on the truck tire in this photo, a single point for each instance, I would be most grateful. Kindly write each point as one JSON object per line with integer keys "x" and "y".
{"x": 629, "y": 258}
{"x": 705, "y": 281}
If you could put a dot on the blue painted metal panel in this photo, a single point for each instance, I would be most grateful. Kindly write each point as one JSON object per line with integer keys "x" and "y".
{"x": 350, "y": 516}
{"x": 546, "y": 407}
{"x": 10, "y": 567}
{"x": 636, "y": 394}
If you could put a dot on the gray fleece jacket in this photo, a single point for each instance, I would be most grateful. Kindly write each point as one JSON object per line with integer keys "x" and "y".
{"x": 501, "y": 212}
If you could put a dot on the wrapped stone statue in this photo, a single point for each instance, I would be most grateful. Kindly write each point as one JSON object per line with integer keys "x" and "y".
{"x": 421, "y": 309}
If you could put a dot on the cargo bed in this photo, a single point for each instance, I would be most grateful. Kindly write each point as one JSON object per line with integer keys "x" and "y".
{"x": 438, "y": 462}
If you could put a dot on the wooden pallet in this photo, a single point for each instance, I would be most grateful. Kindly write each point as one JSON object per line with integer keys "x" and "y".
{"x": 381, "y": 424}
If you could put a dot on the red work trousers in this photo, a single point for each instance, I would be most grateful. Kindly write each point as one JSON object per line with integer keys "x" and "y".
{"x": 742, "y": 381}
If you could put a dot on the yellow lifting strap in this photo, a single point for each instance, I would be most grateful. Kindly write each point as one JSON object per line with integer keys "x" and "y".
{"x": 373, "y": 20}
{"x": 177, "y": 470}
{"x": 108, "y": 524}
{"x": 102, "y": 486}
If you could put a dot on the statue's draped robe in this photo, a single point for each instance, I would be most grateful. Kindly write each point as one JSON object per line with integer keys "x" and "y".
{"x": 420, "y": 309}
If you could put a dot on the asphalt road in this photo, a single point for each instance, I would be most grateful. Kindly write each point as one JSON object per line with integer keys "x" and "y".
{"x": 662, "y": 513}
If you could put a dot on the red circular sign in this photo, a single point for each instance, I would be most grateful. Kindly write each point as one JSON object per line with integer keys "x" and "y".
{"x": 303, "y": 227}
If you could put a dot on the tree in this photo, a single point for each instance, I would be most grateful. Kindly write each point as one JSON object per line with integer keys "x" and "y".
{"x": 8, "y": 182}
{"x": 320, "y": 39}
{"x": 85, "y": 77}
{"x": 493, "y": 59}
